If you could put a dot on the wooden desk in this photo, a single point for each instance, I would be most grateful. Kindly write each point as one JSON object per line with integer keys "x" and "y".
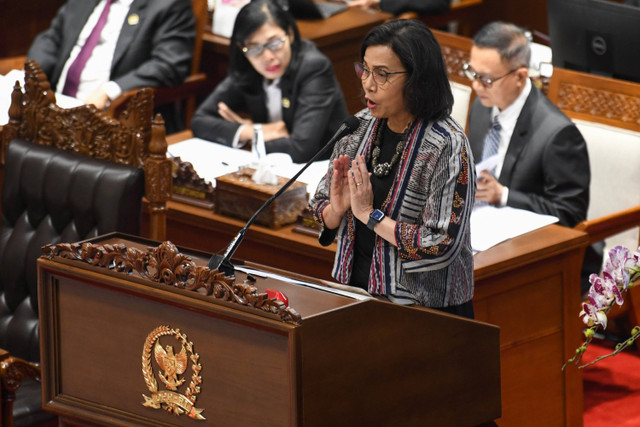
{"x": 202, "y": 229}
{"x": 529, "y": 286}
{"x": 316, "y": 363}
{"x": 339, "y": 37}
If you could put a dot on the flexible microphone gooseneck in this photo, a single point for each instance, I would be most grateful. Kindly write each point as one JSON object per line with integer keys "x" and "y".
{"x": 222, "y": 262}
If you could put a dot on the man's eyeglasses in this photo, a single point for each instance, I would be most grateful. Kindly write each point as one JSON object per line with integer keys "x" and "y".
{"x": 379, "y": 76}
{"x": 257, "y": 50}
{"x": 487, "y": 82}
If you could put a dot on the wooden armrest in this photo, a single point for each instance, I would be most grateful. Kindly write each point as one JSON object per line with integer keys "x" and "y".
{"x": 190, "y": 87}
{"x": 13, "y": 370}
{"x": 179, "y": 136}
{"x": 12, "y": 63}
{"x": 608, "y": 225}
{"x": 162, "y": 95}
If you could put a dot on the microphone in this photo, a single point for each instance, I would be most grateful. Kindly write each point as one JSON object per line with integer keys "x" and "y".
{"x": 222, "y": 262}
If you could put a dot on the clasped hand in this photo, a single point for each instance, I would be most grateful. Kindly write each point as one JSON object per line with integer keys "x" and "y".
{"x": 350, "y": 188}
{"x": 488, "y": 189}
{"x": 270, "y": 131}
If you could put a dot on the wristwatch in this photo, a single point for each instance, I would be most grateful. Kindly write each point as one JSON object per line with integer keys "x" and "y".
{"x": 374, "y": 218}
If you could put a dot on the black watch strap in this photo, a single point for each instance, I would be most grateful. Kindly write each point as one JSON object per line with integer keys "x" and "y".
{"x": 374, "y": 218}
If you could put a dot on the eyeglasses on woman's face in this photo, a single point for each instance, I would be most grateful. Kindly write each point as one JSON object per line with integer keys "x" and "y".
{"x": 379, "y": 76}
{"x": 487, "y": 82}
{"x": 256, "y": 51}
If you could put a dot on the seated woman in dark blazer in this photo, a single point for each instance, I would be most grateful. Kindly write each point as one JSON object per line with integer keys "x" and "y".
{"x": 278, "y": 82}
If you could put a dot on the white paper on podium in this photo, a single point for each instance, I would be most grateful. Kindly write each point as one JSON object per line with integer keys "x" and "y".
{"x": 491, "y": 225}
{"x": 211, "y": 160}
{"x": 357, "y": 294}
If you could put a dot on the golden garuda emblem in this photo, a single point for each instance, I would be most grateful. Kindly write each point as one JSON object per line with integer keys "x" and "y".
{"x": 171, "y": 367}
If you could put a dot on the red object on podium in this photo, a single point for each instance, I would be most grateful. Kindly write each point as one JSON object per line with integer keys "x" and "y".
{"x": 272, "y": 293}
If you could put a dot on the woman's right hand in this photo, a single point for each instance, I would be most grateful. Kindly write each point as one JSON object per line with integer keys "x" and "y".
{"x": 230, "y": 115}
{"x": 339, "y": 193}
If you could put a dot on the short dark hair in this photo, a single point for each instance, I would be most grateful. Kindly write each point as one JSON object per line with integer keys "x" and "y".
{"x": 427, "y": 92}
{"x": 508, "y": 39}
{"x": 250, "y": 18}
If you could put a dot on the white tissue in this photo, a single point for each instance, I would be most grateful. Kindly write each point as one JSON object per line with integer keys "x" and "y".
{"x": 264, "y": 174}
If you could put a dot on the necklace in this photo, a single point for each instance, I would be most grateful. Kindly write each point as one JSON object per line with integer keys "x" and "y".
{"x": 383, "y": 169}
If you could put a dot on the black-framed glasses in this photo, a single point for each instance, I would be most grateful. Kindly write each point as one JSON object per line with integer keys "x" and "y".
{"x": 379, "y": 76}
{"x": 487, "y": 82}
{"x": 273, "y": 46}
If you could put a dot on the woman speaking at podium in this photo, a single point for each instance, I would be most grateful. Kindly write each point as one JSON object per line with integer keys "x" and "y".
{"x": 285, "y": 86}
{"x": 401, "y": 188}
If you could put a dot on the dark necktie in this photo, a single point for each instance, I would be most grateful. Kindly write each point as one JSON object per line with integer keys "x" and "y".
{"x": 75, "y": 70}
{"x": 492, "y": 141}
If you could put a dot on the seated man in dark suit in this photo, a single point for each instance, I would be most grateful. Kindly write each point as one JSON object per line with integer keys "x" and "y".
{"x": 540, "y": 158}
{"x": 401, "y": 6}
{"x": 97, "y": 49}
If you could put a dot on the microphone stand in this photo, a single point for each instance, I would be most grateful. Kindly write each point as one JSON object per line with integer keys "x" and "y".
{"x": 222, "y": 262}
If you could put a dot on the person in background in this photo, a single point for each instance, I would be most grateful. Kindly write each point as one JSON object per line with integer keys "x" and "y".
{"x": 397, "y": 7}
{"x": 96, "y": 49}
{"x": 541, "y": 161}
{"x": 399, "y": 190}
{"x": 277, "y": 83}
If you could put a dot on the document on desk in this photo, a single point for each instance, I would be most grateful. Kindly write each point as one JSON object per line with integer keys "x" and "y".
{"x": 211, "y": 160}
{"x": 491, "y": 225}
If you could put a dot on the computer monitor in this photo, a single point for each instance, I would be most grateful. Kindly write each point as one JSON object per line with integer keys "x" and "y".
{"x": 595, "y": 36}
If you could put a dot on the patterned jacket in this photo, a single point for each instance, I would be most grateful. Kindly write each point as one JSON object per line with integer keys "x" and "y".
{"x": 431, "y": 200}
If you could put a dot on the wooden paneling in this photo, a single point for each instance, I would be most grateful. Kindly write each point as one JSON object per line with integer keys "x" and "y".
{"x": 21, "y": 21}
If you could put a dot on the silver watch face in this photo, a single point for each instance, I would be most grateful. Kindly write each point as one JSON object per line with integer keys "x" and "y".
{"x": 377, "y": 215}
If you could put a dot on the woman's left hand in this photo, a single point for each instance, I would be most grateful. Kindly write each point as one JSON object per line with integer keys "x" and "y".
{"x": 360, "y": 188}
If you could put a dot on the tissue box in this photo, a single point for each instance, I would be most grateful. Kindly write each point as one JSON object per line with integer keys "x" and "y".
{"x": 238, "y": 196}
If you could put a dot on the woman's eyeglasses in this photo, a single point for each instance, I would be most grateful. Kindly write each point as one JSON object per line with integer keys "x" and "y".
{"x": 257, "y": 50}
{"x": 379, "y": 76}
{"x": 487, "y": 82}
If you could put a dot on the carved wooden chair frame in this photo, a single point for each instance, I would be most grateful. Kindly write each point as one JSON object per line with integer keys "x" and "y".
{"x": 135, "y": 138}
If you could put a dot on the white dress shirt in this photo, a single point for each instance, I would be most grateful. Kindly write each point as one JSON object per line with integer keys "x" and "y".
{"x": 97, "y": 70}
{"x": 508, "y": 118}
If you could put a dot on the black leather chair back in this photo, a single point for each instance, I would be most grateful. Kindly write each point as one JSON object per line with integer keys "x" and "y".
{"x": 51, "y": 196}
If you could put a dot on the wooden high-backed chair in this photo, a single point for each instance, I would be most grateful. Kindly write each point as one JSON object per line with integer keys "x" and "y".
{"x": 607, "y": 112}
{"x": 135, "y": 138}
{"x": 188, "y": 90}
{"x": 455, "y": 50}
{"x": 69, "y": 174}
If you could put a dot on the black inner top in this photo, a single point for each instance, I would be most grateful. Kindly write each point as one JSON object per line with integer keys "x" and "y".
{"x": 365, "y": 238}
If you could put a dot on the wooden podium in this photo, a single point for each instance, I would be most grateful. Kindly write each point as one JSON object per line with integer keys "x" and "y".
{"x": 136, "y": 333}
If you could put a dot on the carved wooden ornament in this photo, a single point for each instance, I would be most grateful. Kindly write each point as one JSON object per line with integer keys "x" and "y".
{"x": 171, "y": 366}
{"x": 165, "y": 264}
